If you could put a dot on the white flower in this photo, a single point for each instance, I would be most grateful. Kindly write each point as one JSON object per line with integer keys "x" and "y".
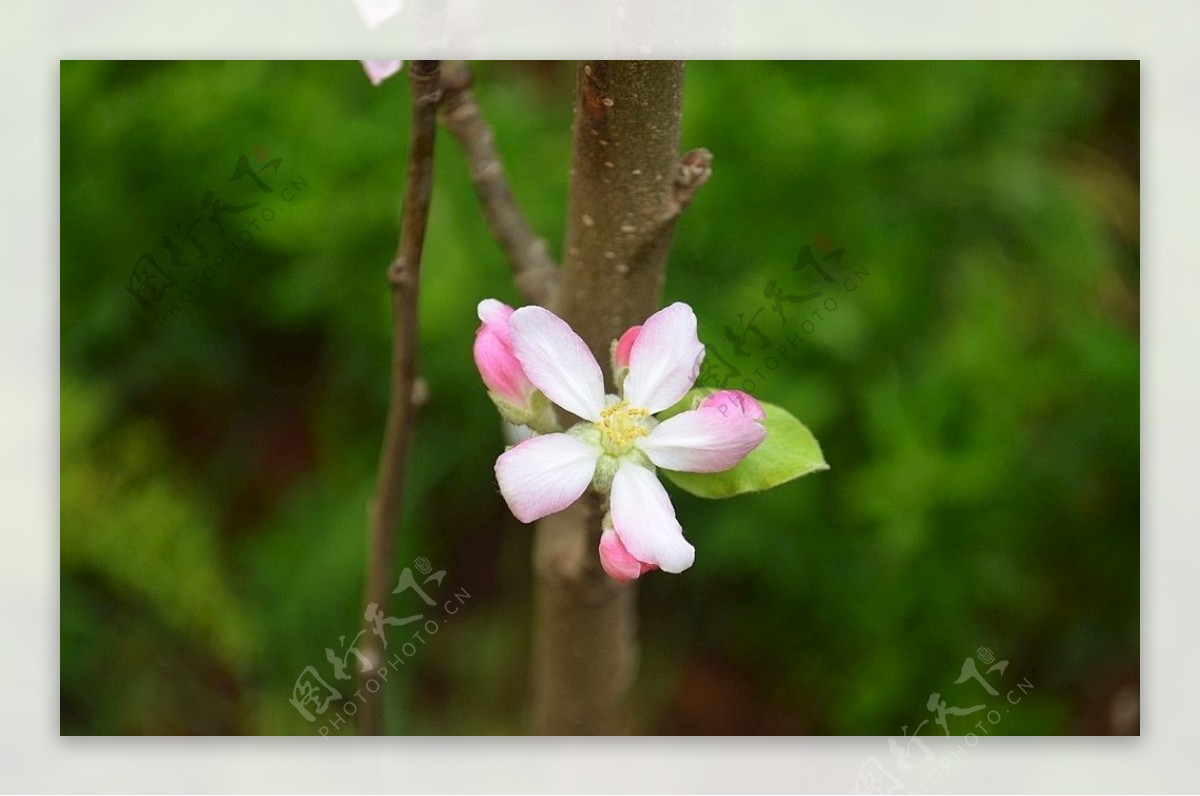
{"x": 619, "y": 443}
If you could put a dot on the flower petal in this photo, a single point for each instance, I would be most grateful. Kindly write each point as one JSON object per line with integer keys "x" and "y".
{"x": 702, "y": 440}
{"x": 665, "y": 359}
{"x": 617, "y": 561}
{"x": 545, "y": 474}
{"x": 499, "y": 369}
{"x": 379, "y": 71}
{"x": 644, "y": 519}
{"x": 494, "y": 313}
{"x": 375, "y": 12}
{"x": 557, "y": 361}
{"x": 734, "y": 402}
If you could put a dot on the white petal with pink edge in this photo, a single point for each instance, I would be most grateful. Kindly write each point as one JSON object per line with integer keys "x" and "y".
{"x": 702, "y": 441}
{"x": 545, "y": 474}
{"x": 645, "y": 520}
{"x": 557, "y": 361}
{"x": 665, "y": 359}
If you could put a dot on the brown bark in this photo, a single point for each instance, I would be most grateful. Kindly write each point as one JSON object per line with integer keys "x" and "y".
{"x": 628, "y": 185}
{"x": 534, "y": 270}
{"x": 404, "y": 272}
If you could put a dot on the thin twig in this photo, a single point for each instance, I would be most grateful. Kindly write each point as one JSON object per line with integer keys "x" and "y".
{"x": 403, "y": 275}
{"x": 534, "y": 270}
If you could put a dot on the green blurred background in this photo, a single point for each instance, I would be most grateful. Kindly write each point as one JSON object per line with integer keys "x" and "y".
{"x": 976, "y": 394}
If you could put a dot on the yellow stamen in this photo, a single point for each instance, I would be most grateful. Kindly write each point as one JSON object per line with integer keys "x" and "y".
{"x": 620, "y": 425}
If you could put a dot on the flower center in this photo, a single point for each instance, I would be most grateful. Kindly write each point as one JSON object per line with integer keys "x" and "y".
{"x": 620, "y": 425}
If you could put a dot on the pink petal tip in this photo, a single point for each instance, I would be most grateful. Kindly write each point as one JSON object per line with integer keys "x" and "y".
{"x": 618, "y": 562}
{"x": 734, "y": 402}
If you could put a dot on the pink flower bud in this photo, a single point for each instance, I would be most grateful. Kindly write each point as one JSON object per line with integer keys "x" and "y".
{"x": 731, "y": 403}
{"x": 617, "y": 561}
{"x": 498, "y": 366}
{"x": 625, "y": 346}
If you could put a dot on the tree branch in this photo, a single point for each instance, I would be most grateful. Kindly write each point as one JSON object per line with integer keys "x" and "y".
{"x": 628, "y": 185}
{"x": 534, "y": 270}
{"x": 406, "y": 390}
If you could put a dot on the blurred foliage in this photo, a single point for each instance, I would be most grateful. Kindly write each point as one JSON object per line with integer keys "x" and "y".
{"x": 975, "y": 391}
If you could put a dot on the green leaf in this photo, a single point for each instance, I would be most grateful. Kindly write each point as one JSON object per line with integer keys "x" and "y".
{"x": 788, "y": 452}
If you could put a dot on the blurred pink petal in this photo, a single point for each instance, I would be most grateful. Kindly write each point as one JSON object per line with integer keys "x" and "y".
{"x": 379, "y": 71}
{"x": 375, "y": 12}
